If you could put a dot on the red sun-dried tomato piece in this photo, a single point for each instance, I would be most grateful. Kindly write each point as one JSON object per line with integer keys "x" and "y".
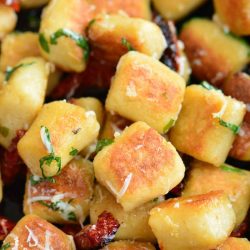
{"x": 6, "y": 226}
{"x": 15, "y": 4}
{"x": 98, "y": 235}
{"x": 11, "y": 163}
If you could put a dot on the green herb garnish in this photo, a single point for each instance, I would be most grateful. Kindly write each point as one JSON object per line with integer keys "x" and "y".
{"x": 44, "y": 43}
{"x": 234, "y": 128}
{"x": 4, "y": 131}
{"x": 103, "y": 143}
{"x": 73, "y": 151}
{"x": 229, "y": 168}
{"x": 208, "y": 86}
{"x": 53, "y": 205}
{"x": 72, "y": 216}
{"x": 80, "y": 41}
{"x": 127, "y": 44}
{"x": 10, "y": 70}
{"x": 91, "y": 22}
{"x": 47, "y": 160}
{"x": 34, "y": 180}
{"x": 5, "y": 246}
{"x": 168, "y": 126}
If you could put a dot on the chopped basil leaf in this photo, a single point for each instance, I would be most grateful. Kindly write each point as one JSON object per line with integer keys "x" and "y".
{"x": 45, "y": 136}
{"x": 234, "y": 128}
{"x": 80, "y": 41}
{"x": 127, "y": 44}
{"x": 10, "y": 70}
{"x": 103, "y": 143}
{"x": 4, "y": 131}
{"x": 44, "y": 43}
{"x": 5, "y": 246}
{"x": 73, "y": 151}
{"x": 34, "y": 180}
{"x": 53, "y": 205}
{"x": 208, "y": 86}
{"x": 229, "y": 168}
{"x": 168, "y": 126}
{"x": 72, "y": 216}
{"x": 47, "y": 160}
{"x": 91, "y": 22}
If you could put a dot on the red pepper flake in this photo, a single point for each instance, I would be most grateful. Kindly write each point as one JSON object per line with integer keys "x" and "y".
{"x": 96, "y": 236}
{"x": 15, "y": 4}
{"x": 6, "y": 226}
{"x": 11, "y": 163}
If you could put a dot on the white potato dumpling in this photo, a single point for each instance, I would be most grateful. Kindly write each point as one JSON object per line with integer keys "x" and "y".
{"x": 175, "y": 10}
{"x": 17, "y": 46}
{"x": 22, "y": 97}
{"x": 233, "y": 243}
{"x": 65, "y": 199}
{"x": 144, "y": 89}
{"x": 8, "y": 20}
{"x": 233, "y": 181}
{"x": 70, "y": 129}
{"x": 66, "y": 54}
{"x": 129, "y": 245}
{"x": 28, "y": 4}
{"x": 114, "y": 35}
{"x": 207, "y": 124}
{"x": 32, "y": 232}
{"x": 139, "y": 166}
{"x": 90, "y": 104}
{"x": 133, "y": 224}
{"x": 197, "y": 222}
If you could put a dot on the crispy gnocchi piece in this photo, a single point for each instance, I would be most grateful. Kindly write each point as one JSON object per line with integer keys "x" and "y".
{"x": 32, "y": 232}
{"x": 17, "y": 46}
{"x": 233, "y": 181}
{"x": 175, "y": 10}
{"x": 129, "y": 245}
{"x": 134, "y": 171}
{"x": 69, "y": 129}
{"x": 25, "y": 86}
{"x": 64, "y": 199}
{"x": 8, "y": 20}
{"x": 113, "y": 125}
{"x": 213, "y": 55}
{"x": 234, "y": 14}
{"x": 207, "y": 124}
{"x": 29, "y": 4}
{"x": 138, "y": 8}
{"x": 90, "y": 104}
{"x": 65, "y": 50}
{"x": 241, "y": 145}
{"x": 115, "y": 35}
{"x": 133, "y": 224}
{"x": 235, "y": 244}
{"x": 196, "y": 222}
{"x": 143, "y": 89}
{"x": 238, "y": 86}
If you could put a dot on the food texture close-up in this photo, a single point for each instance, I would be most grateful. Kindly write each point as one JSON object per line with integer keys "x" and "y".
{"x": 124, "y": 124}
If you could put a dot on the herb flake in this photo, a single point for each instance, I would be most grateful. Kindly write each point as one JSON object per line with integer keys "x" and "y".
{"x": 103, "y": 143}
{"x": 79, "y": 40}
{"x": 73, "y": 151}
{"x": 47, "y": 160}
{"x": 4, "y": 131}
{"x": 44, "y": 43}
{"x": 168, "y": 126}
{"x": 234, "y": 128}
{"x": 10, "y": 70}
{"x": 208, "y": 86}
{"x": 127, "y": 44}
{"x": 71, "y": 216}
{"x": 229, "y": 168}
{"x": 34, "y": 180}
{"x": 5, "y": 246}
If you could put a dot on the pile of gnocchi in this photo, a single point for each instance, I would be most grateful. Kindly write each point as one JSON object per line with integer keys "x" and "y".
{"x": 129, "y": 121}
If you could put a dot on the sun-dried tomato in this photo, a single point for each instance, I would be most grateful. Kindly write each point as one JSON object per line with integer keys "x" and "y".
{"x": 71, "y": 229}
{"x": 6, "y": 226}
{"x": 241, "y": 230}
{"x": 171, "y": 55}
{"x": 94, "y": 236}
{"x": 15, "y": 4}
{"x": 11, "y": 163}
